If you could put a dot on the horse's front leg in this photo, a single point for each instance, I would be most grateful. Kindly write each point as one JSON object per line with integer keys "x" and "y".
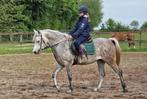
{"x": 69, "y": 74}
{"x": 54, "y": 76}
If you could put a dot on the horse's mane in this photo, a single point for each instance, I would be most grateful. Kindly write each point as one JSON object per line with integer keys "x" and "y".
{"x": 54, "y": 34}
{"x": 55, "y": 31}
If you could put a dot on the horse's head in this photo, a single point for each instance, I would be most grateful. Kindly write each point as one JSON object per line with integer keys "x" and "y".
{"x": 40, "y": 42}
{"x": 48, "y": 38}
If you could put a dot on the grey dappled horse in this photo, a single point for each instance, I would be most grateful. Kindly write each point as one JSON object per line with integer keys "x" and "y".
{"x": 107, "y": 51}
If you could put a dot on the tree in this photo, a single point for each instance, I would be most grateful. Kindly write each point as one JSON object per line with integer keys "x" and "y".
{"x": 11, "y": 17}
{"x": 95, "y": 11}
{"x": 134, "y": 24}
{"x": 37, "y": 11}
{"x": 51, "y": 13}
{"x": 25, "y": 15}
{"x": 111, "y": 24}
{"x": 63, "y": 13}
{"x": 120, "y": 27}
{"x": 144, "y": 26}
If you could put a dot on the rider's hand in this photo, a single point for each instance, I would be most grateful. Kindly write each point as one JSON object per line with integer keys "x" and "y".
{"x": 68, "y": 37}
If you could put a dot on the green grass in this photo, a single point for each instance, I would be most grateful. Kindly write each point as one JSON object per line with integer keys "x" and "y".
{"x": 108, "y": 35}
{"x": 17, "y": 48}
{"x": 125, "y": 48}
{"x": 124, "y": 45}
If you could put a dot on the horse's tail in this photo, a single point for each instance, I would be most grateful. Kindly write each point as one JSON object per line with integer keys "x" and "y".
{"x": 118, "y": 49}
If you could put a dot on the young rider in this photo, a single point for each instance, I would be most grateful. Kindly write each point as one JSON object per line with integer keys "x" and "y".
{"x": 81, "y": 30}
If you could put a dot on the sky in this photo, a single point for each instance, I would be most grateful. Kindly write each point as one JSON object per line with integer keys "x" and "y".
{"x": 125, "y": 11}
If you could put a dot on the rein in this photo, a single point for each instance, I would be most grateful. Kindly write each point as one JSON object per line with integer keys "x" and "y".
{"x": 50, "y": 45}
{"x": 57, "y": 43}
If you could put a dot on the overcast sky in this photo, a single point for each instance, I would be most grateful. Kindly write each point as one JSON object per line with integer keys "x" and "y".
{"x": 125, "y": 11}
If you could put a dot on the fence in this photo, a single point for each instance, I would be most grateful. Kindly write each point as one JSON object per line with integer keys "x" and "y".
{"x": 16, "y": 37}
{"x": 140, "y": 36}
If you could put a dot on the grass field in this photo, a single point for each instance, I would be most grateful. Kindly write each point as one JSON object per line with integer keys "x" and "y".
{"x": 124, "y": 45}
{"x": 17, "y": 48}
{"x": 108, "y": 35}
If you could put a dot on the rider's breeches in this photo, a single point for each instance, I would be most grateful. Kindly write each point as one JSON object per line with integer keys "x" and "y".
{"x": 78, "y": 42}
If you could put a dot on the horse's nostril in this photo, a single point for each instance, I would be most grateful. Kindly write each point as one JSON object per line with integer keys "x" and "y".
{"x": 35, "y": 52}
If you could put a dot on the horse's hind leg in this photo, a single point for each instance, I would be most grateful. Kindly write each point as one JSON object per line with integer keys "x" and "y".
{"x": 54, "y": 76}
{"x": 101, "y": 70}
{"x": 129, "y": 44}
{"x": 120, "y": 74}
{"x": 133, "y": 44}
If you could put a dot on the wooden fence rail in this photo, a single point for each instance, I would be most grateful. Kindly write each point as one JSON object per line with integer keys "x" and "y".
{"x": 20, "y": 37}
{"x": 27, "y": 37}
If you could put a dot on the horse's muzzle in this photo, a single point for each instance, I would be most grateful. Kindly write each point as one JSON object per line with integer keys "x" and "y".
{"x": 35, "y": 52}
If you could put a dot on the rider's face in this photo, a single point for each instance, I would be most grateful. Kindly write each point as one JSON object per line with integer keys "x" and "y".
{"x": 81, "y": 14}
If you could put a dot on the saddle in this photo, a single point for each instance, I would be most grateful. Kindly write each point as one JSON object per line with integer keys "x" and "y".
{"x": 87, "y": 47}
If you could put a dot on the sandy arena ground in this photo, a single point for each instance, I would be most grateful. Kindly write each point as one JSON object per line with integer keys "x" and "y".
{"x": 29, "y": 77}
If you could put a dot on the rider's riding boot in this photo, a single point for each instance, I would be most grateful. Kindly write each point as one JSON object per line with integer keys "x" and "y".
{"x": 82, "y": 56}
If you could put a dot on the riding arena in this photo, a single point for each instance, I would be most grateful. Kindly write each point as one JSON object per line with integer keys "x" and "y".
{"x": 30, "y": 76}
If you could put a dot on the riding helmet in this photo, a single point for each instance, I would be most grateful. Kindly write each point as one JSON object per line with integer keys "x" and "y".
{"x": 83, "y": 9}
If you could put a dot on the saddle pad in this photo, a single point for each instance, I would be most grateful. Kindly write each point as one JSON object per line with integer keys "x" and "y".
{"x": 90, "y": 48}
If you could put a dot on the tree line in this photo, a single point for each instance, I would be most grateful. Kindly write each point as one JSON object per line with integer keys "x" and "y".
{"x": 26, "y": 15}
{"x": 112, "y": 25}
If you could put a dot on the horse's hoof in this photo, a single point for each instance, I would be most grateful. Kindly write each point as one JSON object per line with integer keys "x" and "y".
{"x": 54, "y": 86}
{"x": 95, "y": 89}
{"x": 125, "y": 90}
{"x": 58, "y": 88}
{"x": 69, "y": 91}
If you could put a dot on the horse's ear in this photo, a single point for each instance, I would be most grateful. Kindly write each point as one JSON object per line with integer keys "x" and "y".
{"x": 35, "y": 34}
{"x": 35, "y": 31}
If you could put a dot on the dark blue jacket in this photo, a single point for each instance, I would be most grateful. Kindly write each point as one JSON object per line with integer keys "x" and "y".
{"x": 82, "y": 28}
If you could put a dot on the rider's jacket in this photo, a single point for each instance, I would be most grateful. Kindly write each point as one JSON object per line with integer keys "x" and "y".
{"x": 81, "y": 28}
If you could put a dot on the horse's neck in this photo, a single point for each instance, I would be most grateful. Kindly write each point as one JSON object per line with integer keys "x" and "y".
{"x": 62, "y": 52}
{"x": 59, "y": 43}
{"x": 62, "y": 46}
{"x": 54, "y": 38}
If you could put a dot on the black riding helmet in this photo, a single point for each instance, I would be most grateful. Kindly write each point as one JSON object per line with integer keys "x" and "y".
{"x": 83, "y": 9}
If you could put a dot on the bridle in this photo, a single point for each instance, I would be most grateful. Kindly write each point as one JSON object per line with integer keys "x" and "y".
{"x": 41, "y": 42}
{"x": 49, "y": 45}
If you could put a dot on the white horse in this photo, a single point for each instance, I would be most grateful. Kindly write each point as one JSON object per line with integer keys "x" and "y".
{"x": 107, "y": 51}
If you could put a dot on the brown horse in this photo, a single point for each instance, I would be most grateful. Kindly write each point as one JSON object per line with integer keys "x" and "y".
{"x": 125, "y": 36}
